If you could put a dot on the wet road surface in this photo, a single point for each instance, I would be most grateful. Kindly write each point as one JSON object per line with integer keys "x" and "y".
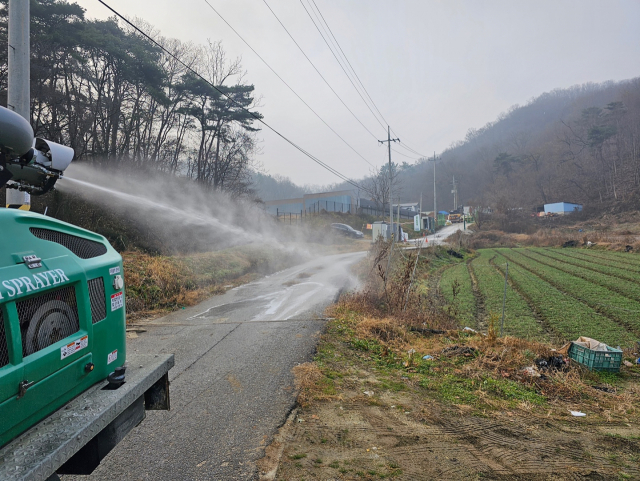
{"x": 231, "y": 387}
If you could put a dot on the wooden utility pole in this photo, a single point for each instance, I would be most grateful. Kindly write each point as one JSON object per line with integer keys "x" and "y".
{"x": 389, "y": 140}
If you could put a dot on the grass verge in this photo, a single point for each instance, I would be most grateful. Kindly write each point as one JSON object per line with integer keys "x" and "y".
{"x": 159, "y": 284}
{"x": 391, "y": 398}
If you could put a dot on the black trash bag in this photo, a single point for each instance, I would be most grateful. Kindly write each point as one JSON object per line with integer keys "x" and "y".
{"x": 554, "y": 363}
{"x": 570, "y": 243}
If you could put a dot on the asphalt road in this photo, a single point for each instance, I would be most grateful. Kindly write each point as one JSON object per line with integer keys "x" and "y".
{"x": 232, "y": 386}
{"x": 439, "y": 237}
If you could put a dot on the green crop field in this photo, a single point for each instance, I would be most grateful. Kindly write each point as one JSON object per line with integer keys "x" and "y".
{"x": 552, "y": 293}
{"x": 456, "y": 288}
{"x": 522, "y": 320}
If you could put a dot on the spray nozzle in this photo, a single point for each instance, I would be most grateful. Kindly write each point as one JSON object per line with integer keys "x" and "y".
{"x": 31, "y": 164}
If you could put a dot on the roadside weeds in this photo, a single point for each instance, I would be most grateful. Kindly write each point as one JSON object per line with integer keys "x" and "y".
{"x": 389, "y": 396}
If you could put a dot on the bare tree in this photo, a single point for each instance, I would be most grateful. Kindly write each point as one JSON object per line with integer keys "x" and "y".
{"x": 377, "y": 185}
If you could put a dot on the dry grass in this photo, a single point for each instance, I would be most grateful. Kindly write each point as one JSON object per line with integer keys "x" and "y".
{"x": 385, "y": 330}
{"x": 157, "y": 284}
{"x": 308, "y": 382}
{"x": 477, "y": 357}
{"x": 614, "y": 232}
{"x": 551, "y": 238}
{"x": 391, "y": 288}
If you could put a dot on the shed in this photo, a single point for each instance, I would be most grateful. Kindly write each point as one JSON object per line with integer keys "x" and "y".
{"x": 380, "y": 229}
{"x": 562, "y": 208}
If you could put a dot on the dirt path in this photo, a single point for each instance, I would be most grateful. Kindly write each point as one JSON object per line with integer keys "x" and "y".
{"x": 481, "y": 314}
{"x": 402, "y": 435}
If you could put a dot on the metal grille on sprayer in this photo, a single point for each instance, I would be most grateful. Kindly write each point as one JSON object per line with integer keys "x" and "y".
{"x": 97, "y": 300}
{"x": 47, "y": 319}
{"x": 4, "y": 352}
{"x": 83, "y": 248}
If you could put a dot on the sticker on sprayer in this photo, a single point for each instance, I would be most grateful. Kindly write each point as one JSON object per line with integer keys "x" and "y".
{"x": 73, "y": 347}
{"x": 114, "y": 270}
{"x": 117, "y": 301}
{"x": 112, "y": 356}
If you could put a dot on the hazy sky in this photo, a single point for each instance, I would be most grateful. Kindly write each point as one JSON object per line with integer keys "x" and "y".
{"x": 433, "y": 68}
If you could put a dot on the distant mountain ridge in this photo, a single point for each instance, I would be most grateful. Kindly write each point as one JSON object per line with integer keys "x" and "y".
{"x": 580, "y": 144}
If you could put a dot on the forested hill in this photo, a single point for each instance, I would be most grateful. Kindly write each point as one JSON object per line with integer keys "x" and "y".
{"x": 580, "y": 144}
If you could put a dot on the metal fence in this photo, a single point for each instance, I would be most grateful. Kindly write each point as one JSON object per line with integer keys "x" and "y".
{"x": 318, "y": 207}
{"x": 323, "y": 206}
{"x": 289, "y": 217}
{"x": 328, "y": 206}
{"x": 404, "y": 213}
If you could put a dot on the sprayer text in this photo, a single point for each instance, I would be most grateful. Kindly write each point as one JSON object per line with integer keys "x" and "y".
{"x": 35, "y": 282}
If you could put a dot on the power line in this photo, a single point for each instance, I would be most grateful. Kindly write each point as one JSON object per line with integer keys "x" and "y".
{"x": 409, "y": 148}
{"x": 227, "y": 96}
{"x": 403, "y": 154}
{"x": 332, "y": 89}
{"x": 358, "y": 79}
{"x": 413, "y": 151}
{"x": 316, "y": 69}
{"x": 340, "y": 63}
{"x": 284, "y": 82}
{"x": 349, "y": 63}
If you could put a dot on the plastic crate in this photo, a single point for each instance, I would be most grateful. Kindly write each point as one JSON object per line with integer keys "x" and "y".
{"x": 608, "y": 360}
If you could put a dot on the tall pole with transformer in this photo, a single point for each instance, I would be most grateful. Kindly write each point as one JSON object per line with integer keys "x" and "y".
{"x": 389, "y": 140}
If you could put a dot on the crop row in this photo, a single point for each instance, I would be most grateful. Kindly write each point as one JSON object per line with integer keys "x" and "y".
{"x": 625, "y": 257}
{"x": 520, "y": 320}
{"x": 630, "y": 290}
{"x": 462, "y": 301}
{"x": 567, "y": 315}
{"x": 594, "y": 259}
{"x": 612, "y": 304}
{"x": 598, "y": 270}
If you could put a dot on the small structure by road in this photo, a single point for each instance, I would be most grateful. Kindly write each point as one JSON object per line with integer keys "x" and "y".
{"x": 562, "y": 208}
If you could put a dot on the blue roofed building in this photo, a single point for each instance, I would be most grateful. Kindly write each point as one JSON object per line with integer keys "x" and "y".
{"x": 562, "y": 208}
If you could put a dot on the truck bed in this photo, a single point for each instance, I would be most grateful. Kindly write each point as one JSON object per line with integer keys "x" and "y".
{"x": 42, "y": 451}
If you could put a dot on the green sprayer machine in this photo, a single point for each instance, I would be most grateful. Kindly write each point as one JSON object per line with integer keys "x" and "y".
{"x": 66, "y": 396}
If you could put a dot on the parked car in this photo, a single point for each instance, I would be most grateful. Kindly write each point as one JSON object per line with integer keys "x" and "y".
{"x": 347, "y": 230}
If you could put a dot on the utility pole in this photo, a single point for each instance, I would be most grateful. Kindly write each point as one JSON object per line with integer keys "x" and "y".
{"x": 19, "y": 79}
{"x": 454, "y": 191}
{"x": 389, "y": 140}
{"x": 420, "y": 213}
{"x": 399, "y": 219}
{"x": 435, "y": 210}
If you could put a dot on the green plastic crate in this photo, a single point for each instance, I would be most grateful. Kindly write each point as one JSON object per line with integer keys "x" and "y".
{"x": 608, "y": 360}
